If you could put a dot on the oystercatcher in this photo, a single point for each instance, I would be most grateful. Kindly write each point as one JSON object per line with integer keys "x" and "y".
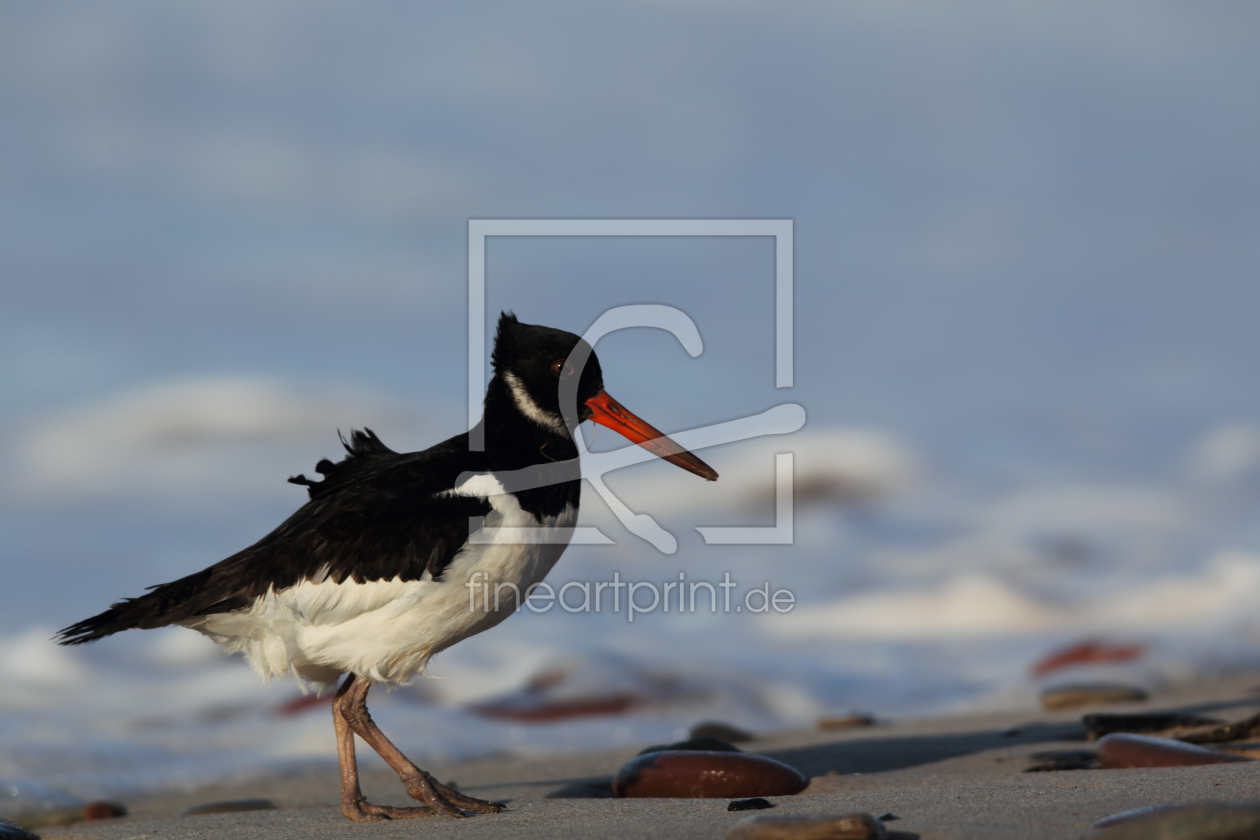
{"x": 370, "y": 578}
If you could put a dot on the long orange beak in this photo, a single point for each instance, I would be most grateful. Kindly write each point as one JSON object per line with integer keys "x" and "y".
{"x": 608, "y": 412}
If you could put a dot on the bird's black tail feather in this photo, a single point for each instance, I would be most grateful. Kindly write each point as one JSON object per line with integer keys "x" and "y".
{"x": 159, "y": 608}
{"x": 113, "y": 620}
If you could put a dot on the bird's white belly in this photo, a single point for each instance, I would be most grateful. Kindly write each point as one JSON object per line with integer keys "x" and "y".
{"x": 387, "y": 630}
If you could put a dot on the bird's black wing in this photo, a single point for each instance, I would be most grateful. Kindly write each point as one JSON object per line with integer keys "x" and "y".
{"x": 377, "y": 515}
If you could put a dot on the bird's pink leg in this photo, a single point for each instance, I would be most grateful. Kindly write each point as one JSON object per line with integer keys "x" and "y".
{"x": 353, "y": 804}
{"x": 420, "y": 785}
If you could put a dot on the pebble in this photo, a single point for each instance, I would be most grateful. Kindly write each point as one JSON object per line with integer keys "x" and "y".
{"x": 1237, "y": 731}
{"x": 1122, "y": 749}
{"x": 229, "y": 806}
{"x": 1064, "y": 760}
{"x": 1088, "y": 652}
{"x": 723, "y": 731}
{"x": 856, "y": 720}
{"x": 754, "y": 804}
{"x": 706, "y": 743}
{"x": 1098, "y": 725}
{"x": 13, "y": 831}
{"x": 1170, "y": 822}
{"x": 102, "y": 810}
{"x": 68, "y": 816}
{"x": 684, "y": 774}
{"x": 1088, "y": 694}
{"x": 847, "y": 827}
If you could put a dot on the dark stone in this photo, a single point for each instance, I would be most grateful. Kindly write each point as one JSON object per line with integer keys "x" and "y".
{"x": 1064, "y": 755}
{"x": 1249, "y": 728}
{"x": 1064, "y": 760}
{"x": 847, "y": 827}
{"x": 856, "y": 720}
{"x": 1089, "y": 694}
{"x": 685, "y": 774}
{"x": 705, "y": 743}
{"x": 13, "y": 831}
{"x": 1120, "y": 750}
{"x": 754, "y": 804}
{"x": 1191, "y": 822}
{"x": 1098, "y": 725}
{"x": 722, "y": 731}
{"x": 229, "y": 806}
{"x": 596, "y": 787}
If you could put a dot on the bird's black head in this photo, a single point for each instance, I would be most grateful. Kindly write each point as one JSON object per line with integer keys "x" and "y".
{"x": 534, "y": 361}
{"x": 544, "y": 369}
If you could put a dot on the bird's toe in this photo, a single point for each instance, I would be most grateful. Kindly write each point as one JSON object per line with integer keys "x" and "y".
{"x": 468, "y": 803}
{"x": 367, "y": 812}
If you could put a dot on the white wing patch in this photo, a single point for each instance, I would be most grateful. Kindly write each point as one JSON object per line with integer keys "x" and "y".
{"x": 482, "y": 485}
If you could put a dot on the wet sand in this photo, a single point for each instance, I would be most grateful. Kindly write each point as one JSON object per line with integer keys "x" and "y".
{"x": 944, "y": 777}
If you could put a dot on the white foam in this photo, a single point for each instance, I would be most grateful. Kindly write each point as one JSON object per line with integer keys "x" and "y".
{"x": 1226, "y": 453}
{"x": 32, "y": 660}
{"x": 976, "y": 604}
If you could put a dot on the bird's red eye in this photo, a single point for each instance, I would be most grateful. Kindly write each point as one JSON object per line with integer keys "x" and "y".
{"x": 561, "y": 367}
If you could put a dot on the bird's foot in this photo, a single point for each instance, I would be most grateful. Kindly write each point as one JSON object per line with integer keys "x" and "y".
{"x": 363, "y": 811}
{"x": 436, "y": 795}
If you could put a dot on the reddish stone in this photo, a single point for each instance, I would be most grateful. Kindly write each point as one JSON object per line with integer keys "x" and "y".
{"x": 1088, "y": 652}
{"x": 706, "y": 775}
{"x": 102, "y": 810}
{"x": 1123, "y": 749}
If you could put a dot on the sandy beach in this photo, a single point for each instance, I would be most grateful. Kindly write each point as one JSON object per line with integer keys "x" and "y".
{"x": 945, "y": 778}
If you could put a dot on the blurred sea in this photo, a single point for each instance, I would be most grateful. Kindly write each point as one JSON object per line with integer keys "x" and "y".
{"x": 1026, "y": 297}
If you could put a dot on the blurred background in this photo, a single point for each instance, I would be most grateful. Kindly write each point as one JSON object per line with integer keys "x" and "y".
{"x": 1027, "y": 295}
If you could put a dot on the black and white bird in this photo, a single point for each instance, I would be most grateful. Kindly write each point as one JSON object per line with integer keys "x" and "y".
{"x": 371, "y": 577}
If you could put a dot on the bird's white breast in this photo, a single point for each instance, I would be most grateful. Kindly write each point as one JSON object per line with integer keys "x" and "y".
{"x": 387, "y": 630}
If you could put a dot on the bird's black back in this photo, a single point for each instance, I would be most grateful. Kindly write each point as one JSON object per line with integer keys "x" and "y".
{"x": 376, "y": 515}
